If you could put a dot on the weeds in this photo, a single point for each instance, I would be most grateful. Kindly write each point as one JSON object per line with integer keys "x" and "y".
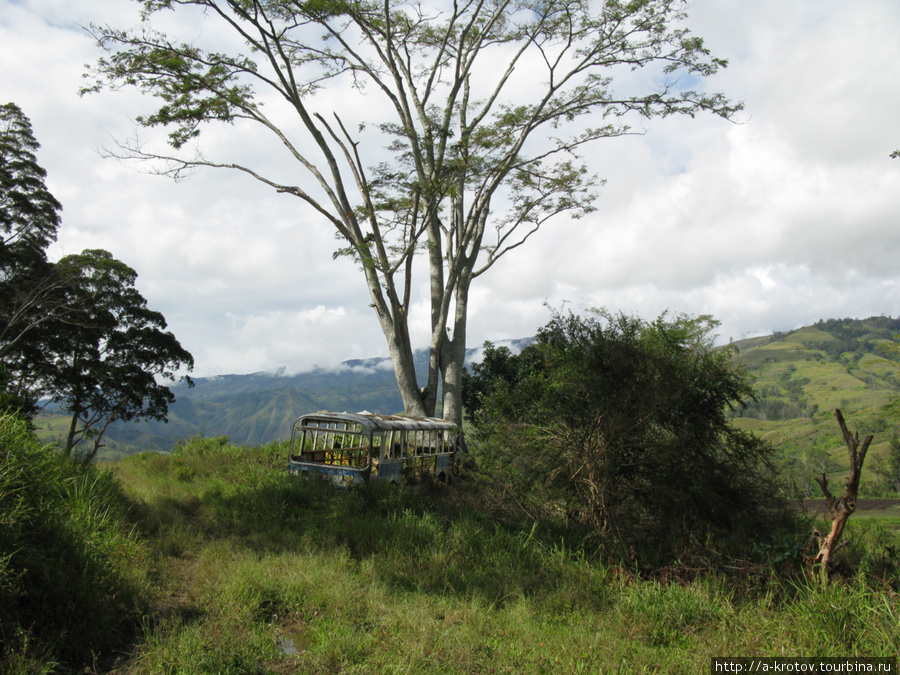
{"x": 259, "y": 572}
{"x": 73, "y": 575}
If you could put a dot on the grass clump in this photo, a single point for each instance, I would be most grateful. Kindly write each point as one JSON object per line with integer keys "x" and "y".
{"x": 73, "y": 575}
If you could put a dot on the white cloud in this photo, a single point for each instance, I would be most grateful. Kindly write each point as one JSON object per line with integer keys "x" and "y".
{"x": 274, "y": 340}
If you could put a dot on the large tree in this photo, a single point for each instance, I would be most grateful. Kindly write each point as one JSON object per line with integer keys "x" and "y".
{"x": 110, "y": 364}
{"x": 76, "y": 331}
{"x": 29, "y": 220}
{"x": 488, "y": 104}
{"x": 101, "y": 353}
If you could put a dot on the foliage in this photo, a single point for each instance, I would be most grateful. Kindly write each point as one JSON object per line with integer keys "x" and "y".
{"x": 892, "y": 472}
{"x": 29, "y": 214}
{"x": 29, "y": 220}
{"x": 487, "y": 106}
{"x": 9, "y": 403}
{"x": 76, "y": 331}
{"x": 73, "y": 576}
{"x": 622, "y": 424}
{"x": 107, "y": 366}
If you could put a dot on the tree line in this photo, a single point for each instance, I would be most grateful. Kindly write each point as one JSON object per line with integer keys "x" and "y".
{"x": 75, "y": 331}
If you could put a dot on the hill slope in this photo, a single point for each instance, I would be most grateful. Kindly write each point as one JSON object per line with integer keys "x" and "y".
{"x": 801, "y": 376}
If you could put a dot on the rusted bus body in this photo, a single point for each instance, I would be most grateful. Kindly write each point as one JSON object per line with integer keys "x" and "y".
{"x": 355, "y": 447}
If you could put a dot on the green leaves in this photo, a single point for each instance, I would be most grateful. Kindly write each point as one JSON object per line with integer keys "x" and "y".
{"x": 29, "y": 219}
{"x": 29, "y": 214}
{"x": 77, "y": 331}
{"x": 623, "y": 422}
{"x": 106, "y": 363}
{"x": 195, "y": 86}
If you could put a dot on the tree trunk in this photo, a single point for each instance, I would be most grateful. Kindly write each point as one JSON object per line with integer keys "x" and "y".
{"x": 454, "y": 354}
{"x": 437, "y": 289}
{"x": 392, "y": 315}
{"x": 98, "y": 441}
{"x": 73, "y": 426}
{"x": 455, "y": 350}
{"x": 841, "y": 508}
{"x": 405, "y": 370}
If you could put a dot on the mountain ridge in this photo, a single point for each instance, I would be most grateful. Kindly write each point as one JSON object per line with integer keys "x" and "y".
{"x": 258, "y": 408}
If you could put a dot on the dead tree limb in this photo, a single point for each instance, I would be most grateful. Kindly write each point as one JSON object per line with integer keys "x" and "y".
{"x": 842, "y": 507}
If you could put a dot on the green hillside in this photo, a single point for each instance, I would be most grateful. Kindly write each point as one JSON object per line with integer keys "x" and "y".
{"x": 801, "y": 376}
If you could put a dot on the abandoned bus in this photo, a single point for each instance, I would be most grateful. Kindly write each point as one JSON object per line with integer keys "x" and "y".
{"x": 354, "y": 447}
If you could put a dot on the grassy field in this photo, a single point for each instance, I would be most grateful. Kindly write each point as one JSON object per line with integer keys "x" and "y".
{"x": 886, "y": 510}
{"x": 257, "y": 572}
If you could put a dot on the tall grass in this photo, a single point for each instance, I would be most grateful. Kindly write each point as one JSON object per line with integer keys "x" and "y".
{"x": 257, "y": 572}
{"x": 266, "y": 573}
{"x": 73, "y": 576}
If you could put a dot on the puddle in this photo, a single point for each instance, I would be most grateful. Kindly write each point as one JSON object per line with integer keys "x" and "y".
{"x": 294, "y": 641}
{"x": 288, "y": 647}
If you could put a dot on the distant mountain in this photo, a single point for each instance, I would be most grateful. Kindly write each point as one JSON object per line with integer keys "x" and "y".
{"x": 261, "y": 407}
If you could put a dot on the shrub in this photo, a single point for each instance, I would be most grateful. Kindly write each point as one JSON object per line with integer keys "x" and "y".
{"x": 622, "y": 424}
{"x": 72, "y": 575}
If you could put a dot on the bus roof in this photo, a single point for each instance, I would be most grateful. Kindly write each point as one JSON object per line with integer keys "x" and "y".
{"x": 373, "y": 421}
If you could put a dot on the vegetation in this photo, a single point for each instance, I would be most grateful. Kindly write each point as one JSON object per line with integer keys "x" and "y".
{"x": 29, "y": 219}
{"x": 476, "y": 115}
{"x": 74, "y": 577}
{"x": 615, "y": 518}
{"x": 620, "y": 424}
{"x": 76, "y": 331}
{"x": 258, "y": 572}
{"x": 107, "y": 365}
{"x": 615, "y": 521}
{"x": 801, "y": 376}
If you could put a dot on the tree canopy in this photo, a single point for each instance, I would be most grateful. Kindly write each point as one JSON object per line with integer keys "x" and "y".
{"x": 467, "y": 144}
{"x": 76, "y": 331}
{"x": 107, "y": 367}
{"x": 29, "y": 214}
{"x": 29, "y": 220}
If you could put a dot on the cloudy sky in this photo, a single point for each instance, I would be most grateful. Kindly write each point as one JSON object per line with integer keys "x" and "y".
{"x": 785, "y": 218}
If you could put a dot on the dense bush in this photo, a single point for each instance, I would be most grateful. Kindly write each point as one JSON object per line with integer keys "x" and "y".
{"x": 622, "y": 424}
{"x": 72, "y": 575}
